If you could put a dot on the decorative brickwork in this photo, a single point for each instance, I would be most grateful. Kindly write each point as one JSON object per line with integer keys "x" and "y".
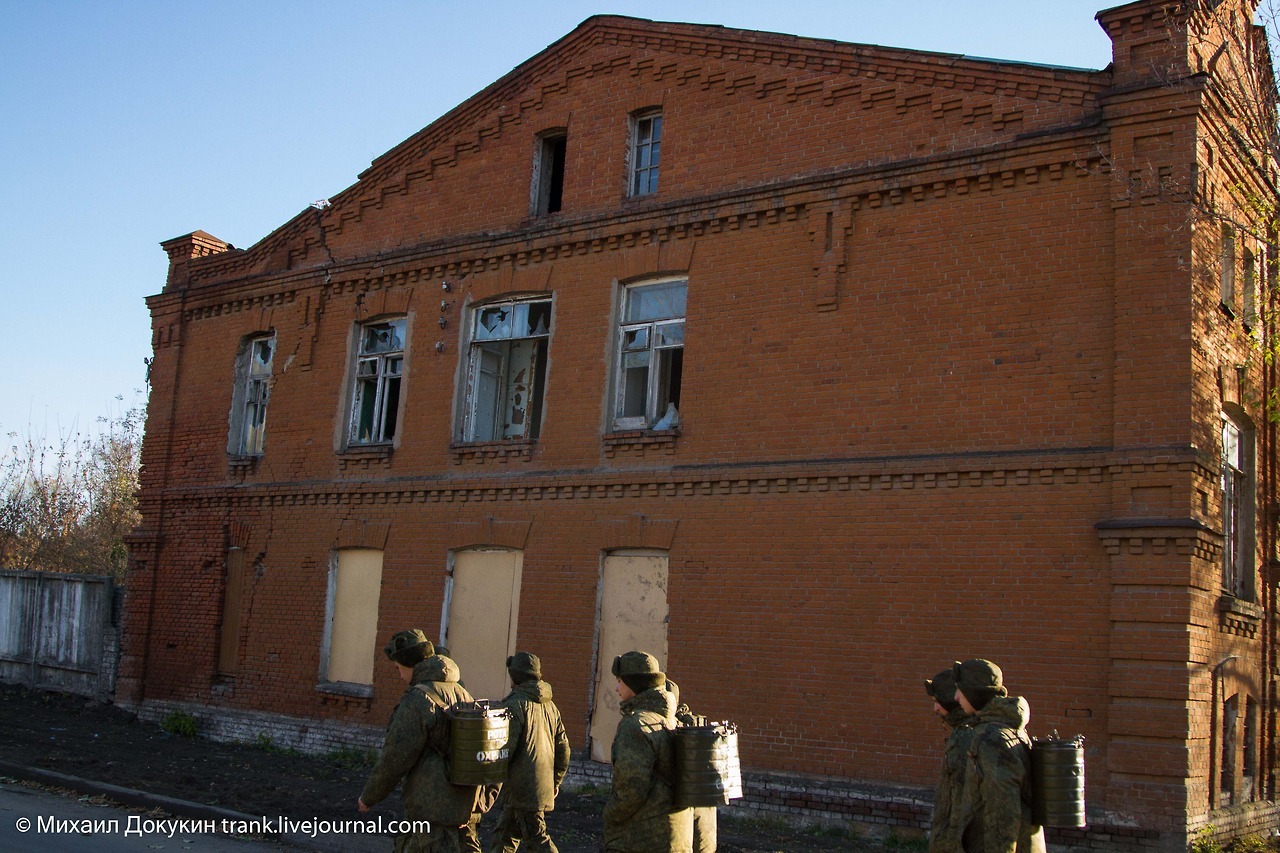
{"x": 951, "y": 377}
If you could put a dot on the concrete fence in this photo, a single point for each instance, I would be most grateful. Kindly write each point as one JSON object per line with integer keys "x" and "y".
{"x": 59, "y": 632}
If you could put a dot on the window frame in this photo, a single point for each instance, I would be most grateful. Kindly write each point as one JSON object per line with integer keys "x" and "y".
{"x": 476, "y": 344}
{"x": 251, "y": 397}
{"x": 547, "y": 186}
{"x": 644, "y": 152}
{"x": 340, "y": 628}
{"x": 657, "y": 383}
{"x": 1227, "y": 270}
{"x": 387, "y": 375}
{"x": 1237, "y": 482}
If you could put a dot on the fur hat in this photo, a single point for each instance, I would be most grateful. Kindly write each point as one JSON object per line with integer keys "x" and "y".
{"x": 524, "y": 666}
{"x": 408, "y": 648}
{"x": 942, "y": 687}
{"x": 639, "y": 671}
{"x": 979, "y": 680}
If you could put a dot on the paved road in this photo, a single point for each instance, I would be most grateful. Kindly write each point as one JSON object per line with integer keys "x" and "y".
{"x": 54, "y": 822}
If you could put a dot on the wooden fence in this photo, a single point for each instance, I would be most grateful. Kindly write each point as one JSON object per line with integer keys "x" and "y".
{"x": 59, "y": 632}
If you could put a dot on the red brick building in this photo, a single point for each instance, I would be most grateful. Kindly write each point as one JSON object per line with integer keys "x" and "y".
{"x": 810, "y": 366}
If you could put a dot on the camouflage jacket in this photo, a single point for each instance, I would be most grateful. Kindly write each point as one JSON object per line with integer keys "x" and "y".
{"x": 943, "y": 835}
{"x": 415, "y": 747}
{"x": 639, "y": 817}
{"x": 992, "y": 813}
{"x": 539, "y": 748}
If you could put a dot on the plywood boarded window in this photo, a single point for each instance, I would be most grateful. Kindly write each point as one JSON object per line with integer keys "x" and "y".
{"x": 483, "y": 611}
{"x": 232, "y": 605}
{"x": 633, "y": 616}
{"x": 355, "y": 585}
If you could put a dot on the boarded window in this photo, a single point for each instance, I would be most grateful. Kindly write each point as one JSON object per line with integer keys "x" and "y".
{"x": 232, "y": 606}
{"x": 355, "y": 585}
{"x": 633, "y": 616}
{"x": 483, "y": 614}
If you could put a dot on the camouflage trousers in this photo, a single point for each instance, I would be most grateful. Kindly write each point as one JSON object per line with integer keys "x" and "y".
{"x": 516, "y": 825}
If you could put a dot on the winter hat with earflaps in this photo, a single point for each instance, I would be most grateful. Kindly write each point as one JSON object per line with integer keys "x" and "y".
{"x": 407, "y": 648}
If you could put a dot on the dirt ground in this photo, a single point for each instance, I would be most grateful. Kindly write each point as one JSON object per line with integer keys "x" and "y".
{"x": 104, "y": 743}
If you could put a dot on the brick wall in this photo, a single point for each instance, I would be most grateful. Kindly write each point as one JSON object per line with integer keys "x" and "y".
{"x": 952, "y": 387}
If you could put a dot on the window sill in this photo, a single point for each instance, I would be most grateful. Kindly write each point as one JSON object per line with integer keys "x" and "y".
{"x": 345, "y": 688}
{"x": 1227, "y": 310}
{"x": 640, "y": 442}
{"x": 365, "y": 456}
{"x": 520, "y": 450}
{"x": 1239, "y": 617}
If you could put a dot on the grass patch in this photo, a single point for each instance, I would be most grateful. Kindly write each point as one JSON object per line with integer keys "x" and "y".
{"x": 180, "y": 723}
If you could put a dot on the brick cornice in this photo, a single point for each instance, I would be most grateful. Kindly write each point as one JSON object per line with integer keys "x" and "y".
{"x": 1040, "y": 468}
{"x": 994, "y": 168}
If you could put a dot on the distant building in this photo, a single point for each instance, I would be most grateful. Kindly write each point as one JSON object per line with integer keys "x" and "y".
{"x": 808, "y": 366}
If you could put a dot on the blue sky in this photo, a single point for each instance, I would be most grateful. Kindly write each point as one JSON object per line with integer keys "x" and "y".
{"x": 130, "y": 122}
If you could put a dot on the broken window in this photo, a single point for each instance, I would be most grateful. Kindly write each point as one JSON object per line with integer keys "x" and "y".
{"x": 253, "y": 388}
{"x": 646, "y": 151}
{"x": 548, "y": 172}
{"x": 650, "y": 356}
{"x": 379, "y": 364}
{"x": 506, "y": 370}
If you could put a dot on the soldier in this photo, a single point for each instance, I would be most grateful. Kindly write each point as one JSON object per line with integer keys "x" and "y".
{"x": 639, "y": 817}
{"x": 943, "y": 838}
{"x": 415, "y": 749}
{"x": 539, "y": 759}
{"x": 993, "y": 811}
{"x": 704, "y": 818}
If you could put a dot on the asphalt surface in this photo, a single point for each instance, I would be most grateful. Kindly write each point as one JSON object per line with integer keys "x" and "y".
{"x": 66, "y": 814}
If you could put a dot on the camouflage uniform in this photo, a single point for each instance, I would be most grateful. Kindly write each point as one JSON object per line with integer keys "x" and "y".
{"x": 640, "y": 817}
{"x": 414, "y": 751}
{"x": 943, "y": 835}
{"x": 992, "y": 809}
{"x": 538, "y": 763}
{"x": 943, "y": 838}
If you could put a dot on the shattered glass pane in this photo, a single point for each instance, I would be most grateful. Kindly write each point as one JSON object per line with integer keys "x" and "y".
{"x": 493, "y": 322}
{"x": 382, "y": 337}
{"x": 366, "y": 399}
{"x": 668, "y": 335}
{"x": 393, "y": 366}
{"x": 367, "y": 367}
{"x": 262, "y": 352}
{"x": 635, "y": 340}
{"x": 538, "y": 320}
